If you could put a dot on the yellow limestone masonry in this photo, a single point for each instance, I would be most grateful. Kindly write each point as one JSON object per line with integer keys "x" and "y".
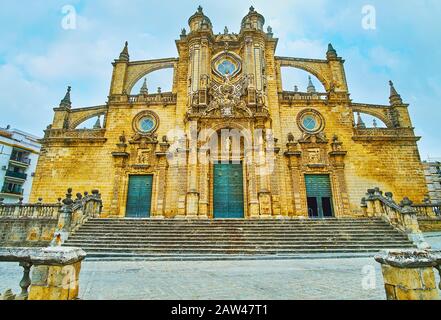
{"x": 248, "y": 96}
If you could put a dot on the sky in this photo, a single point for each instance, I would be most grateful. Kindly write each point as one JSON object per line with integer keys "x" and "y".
{"x": 39, "y": 57}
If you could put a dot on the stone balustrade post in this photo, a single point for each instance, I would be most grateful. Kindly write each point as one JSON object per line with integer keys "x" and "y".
{"x": 409, "y": 274}
{"x": 64, "y": 220}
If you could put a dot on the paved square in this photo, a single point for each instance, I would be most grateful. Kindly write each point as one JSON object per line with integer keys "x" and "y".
{"x": 310, "y": 279}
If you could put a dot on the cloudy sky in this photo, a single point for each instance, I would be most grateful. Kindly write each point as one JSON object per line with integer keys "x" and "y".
{"x": 39, "y": 58}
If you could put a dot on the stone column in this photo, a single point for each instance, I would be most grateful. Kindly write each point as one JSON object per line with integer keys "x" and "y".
{"x": 264, "y": 194}
{"x": 294, "y": 156}
{"x": 120, "y": 158}
{"x": 253, "y": 202}
{"x": 204, "y": 183}
{"x": 162, "y": 176}
{"x": 192, "y": 201}
{"x": 409, "y": 274}
{"x": 337, "y": 158}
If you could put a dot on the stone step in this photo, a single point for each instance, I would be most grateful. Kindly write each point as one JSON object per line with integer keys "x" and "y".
{"x": 90, "y": 251}
{"x": 235, "y": 237}
{"x": 129, "y": 233}
{"x": 290, "y": 246}
{"x": 256, "y": 229}
{"x": 110, "y": 237}
{"x": 227, "y": 222}
{"x": 232, "y": 242}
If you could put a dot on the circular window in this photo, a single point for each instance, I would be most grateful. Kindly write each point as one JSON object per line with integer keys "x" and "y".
{"x": 310, "y": 121}
{"x": 226, "y": 67}
{"x": 145, "y": 122}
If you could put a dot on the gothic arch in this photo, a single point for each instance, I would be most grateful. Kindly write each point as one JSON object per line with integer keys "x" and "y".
{"x": 137, "y": 70}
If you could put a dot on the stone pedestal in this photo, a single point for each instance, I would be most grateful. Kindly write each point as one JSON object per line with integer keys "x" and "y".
{"x": 409, "y": 274}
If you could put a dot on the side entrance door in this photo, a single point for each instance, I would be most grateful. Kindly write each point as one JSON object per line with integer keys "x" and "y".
{"x": 319, "y": 193}
{"x": 139, "y": 197}
{"x": 228, "y": 195}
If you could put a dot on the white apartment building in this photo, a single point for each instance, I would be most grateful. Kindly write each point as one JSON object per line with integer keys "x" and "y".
{"x": 19, "y": 152}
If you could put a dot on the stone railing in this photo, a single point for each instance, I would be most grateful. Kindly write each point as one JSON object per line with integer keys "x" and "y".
{"x": 74, "y": 213}
{"x": 372, "y": 134}
{"x": 401, "y": 216}
{"x": 79, "y": 134}
{"x": 37, "y": 210}
{"x": 158, "y": 98}
{"x": 40, "y": 223}
{"x": 55, "y": 272}
{"x": 409, "y": 274}
{"x": 288, "y": 96}
{"x": 428, "y": 210}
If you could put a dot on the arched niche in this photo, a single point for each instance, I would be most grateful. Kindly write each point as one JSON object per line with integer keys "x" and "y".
{"x": 298, "y": 77}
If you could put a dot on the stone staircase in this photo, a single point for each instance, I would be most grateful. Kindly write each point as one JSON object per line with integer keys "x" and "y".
{"x": 132, "y": 238}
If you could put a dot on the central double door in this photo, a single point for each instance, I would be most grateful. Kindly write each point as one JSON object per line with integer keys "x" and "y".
{"x": 228, "y": 194}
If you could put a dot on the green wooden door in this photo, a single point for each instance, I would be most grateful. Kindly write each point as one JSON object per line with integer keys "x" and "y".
{"x": 139, "y": 198}
{"x": 319, "y": 193}
{"x": 228, "y": 191}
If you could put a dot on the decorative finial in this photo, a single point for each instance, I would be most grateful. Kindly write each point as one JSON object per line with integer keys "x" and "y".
{"x": 360, "y": 122}
{"x": 66, "y": 102}
{"x": 200, "y": 9}
{"x": 252, "y": 9}
{"x": 97, "y": 123}
{"x": 183, "y": 32}
{"x": 159, "y": 90}
{"x": 124, "y": 55}
{"x": 395, "y": 98}
{"x": 226, "y": 30}
{"x": 311, "y": 87}
{"x": 144, "y": 88}
{"x": 269, "y": 30}
{"x": 331, "y": 54}
{"x": 296, "y": 89}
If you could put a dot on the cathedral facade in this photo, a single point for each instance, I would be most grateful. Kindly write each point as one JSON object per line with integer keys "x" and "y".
{"x": 228, "y": 141}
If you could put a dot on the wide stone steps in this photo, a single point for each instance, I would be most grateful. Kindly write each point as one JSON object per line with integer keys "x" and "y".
{"x": 132, "y": 238}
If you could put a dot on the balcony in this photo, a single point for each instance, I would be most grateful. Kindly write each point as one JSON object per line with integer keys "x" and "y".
{"x": 16, "y": 175}
{"x": 15, "y": 190}
{"x": 20, "y": 161}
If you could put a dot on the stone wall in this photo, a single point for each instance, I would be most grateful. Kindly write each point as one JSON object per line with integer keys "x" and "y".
{"x": 105, "y": 158}
{"x": 27, "y": 232}
{"x": 429, "y": 225}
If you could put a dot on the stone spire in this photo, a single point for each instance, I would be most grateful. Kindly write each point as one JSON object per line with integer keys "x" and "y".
{"x": 311, "y": 87}
{"x": 360, "y": 123}
{"x": 331, "y": 54}
{"x": 97, "y": 124}
{"x": 66, "y": 103}
{"x": 124, "y": 55}
{"x": 394, "y": 98}
{"x": 144, "y": 89}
